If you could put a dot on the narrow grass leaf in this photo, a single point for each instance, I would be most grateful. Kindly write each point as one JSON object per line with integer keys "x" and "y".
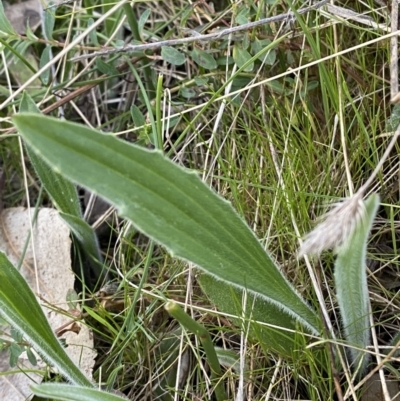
{"x": 18, "y": 306}
{"x": 351, "y": 284}
{"x": 172, "y": 56}
{"x": 169, "y": 204}
{"x": 65, "y": 392}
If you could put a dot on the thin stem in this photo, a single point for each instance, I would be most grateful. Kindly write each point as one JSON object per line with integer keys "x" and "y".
{"x": 391, "y": 145}
{"x": 207, "y": 37}
{"x": 159, "y": 124}
{"x": 132, "y": 21}
{"x": 394, "y": 54}
{"x": 204, "y": 336}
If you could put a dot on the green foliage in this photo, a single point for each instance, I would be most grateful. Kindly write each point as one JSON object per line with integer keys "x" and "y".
{"x": 49, "y": 21}
{"x": 229, "y": 300}
{"x": 65, "y": 197}
{"x": 257, "y": 47}
{"x": 173, "y": 56}
{"x": 18, "y": 306}
{"x": 204, "y": 337}
{"x": 272, "y": 149}
{"x": 203, "y": 59}
{"x": 242, "y": 57}
{"x": 394, "y": 120}
{"x": 351, "y": 285}
{"x": 142, "y": 20}
{"x": 167, "y": 203}
{"x": 106, "y": 68}
{"x": 87, "y": 240}
{"x": 5, "y": 25}
{"x": 44, "y": 59}
{"x": 64, "y": 392}
{"x": 137, "y": 116}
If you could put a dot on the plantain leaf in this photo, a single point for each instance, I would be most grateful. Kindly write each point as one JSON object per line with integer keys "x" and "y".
{"x": 62, "y": 191}
{"x": 351, "y": 285}
{"x": 65, "y": 197}
{"x": 86, "y": 237}
{"x": 65, "y": 392}
{"x": 169, "y": 204}
{"x": 229, "y": 301}
{"x": 18, "y": 306}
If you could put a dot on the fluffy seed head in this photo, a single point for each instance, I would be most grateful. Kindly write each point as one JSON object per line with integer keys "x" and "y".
{"x": 336, "y": 226}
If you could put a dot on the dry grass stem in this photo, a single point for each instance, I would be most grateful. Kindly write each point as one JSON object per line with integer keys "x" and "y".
{"x": 199, "y": 37}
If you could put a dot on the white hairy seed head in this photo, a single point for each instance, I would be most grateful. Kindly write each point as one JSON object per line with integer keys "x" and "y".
{"x": 336, "y": 226}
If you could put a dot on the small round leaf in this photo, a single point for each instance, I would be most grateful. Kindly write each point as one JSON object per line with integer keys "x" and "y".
{"x": 172, "y": 56}
{"x": 241, "y": 57}
{"x": 203, "y": 59}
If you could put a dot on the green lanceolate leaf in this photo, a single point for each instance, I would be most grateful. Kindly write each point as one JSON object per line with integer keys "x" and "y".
{"x": 168, "y": 203}
{"x": 65, "y": 197}
{"x": 5, "y": 25}
{"x": 229, "y": 301}
{"x": 45, "y": 59}
{"x": 64, "y": 392}
{"x": 62, "y": 191}
{"x": 85, "y": 235}
{"x": 49, "y": 21}
{"x": 93, "y": 34}
{"x": 143, "y": 19}
{"x": 351, "y": 285}
{"x": 18, "y": 306}
{"x": 137, "y": 116}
